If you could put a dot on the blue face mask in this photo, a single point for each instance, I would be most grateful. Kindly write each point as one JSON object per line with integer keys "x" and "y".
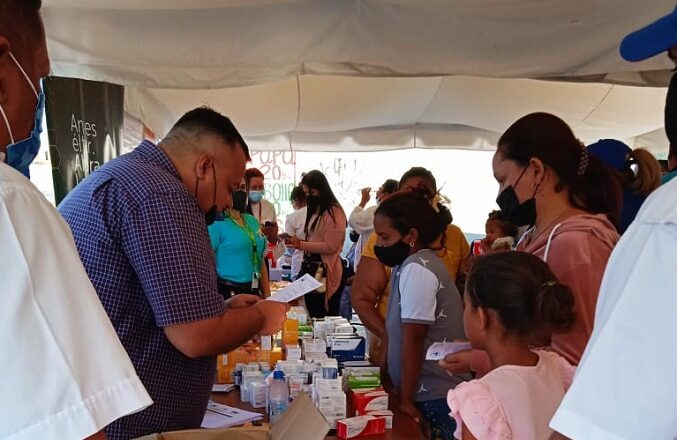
{"x": 22, "y": 153}
{"x": 256, "y": 196}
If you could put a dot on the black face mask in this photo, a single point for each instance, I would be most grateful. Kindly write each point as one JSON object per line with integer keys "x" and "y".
{"x": 393, "y": 255}
{"x": 313, "y": 200}
{"x": 239, "y": 200}
{"x": 520, "y": 214}
{"x": 210, "y": 215}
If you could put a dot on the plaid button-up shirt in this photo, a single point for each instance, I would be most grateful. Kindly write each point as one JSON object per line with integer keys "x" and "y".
{"x": 144, "y": 243}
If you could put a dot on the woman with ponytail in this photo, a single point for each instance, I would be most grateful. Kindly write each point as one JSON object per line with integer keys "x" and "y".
{"x": 571, "y": 201}
{"x": 509, "y": 298}
{"x": 638, "y": 172}
{"x": 424, "y": 306}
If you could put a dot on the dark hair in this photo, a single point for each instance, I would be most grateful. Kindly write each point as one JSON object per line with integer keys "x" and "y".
{"x": 429, "y": 183}
{"x": 20, "y": 23}
{"x": 327, "y": 200}
{"x": 670, "y": 114}
{"x": 297, "y": 194}
{"x": 390, "y": 186}
{"x": 205, "y": 119}
{"x": 250, "y": 174}
{"x": 507, "y": 227}
{"x": 522, "y": 290}
{"x": 413, "y": 210}
{"x": 591, "y": 186}
{"x": 672, "y": 152}
{"x": 423, "y": 173}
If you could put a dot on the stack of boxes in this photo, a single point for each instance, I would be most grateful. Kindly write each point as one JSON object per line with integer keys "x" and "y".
{"x": 330, "y": 399}
{"x": 310, "y": 357}
{"x": 263, "y": 354}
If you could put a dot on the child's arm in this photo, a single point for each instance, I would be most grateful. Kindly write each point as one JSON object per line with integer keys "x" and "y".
{"x": 412, "y": 357}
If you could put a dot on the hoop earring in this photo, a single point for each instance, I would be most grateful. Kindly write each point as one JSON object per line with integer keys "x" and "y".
{"x": 412, "y": 244}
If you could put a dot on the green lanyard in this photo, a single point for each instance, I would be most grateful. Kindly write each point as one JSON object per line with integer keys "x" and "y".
{"x": 255, "y": 258}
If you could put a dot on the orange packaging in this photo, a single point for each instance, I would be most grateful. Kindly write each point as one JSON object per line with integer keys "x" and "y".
{"x": 224, "y": 375}
{"x": 224, "y": 369}
{"x": 275, "y": 355}
{"x": 290, "y": 325}
{"x": 290, "y": 332}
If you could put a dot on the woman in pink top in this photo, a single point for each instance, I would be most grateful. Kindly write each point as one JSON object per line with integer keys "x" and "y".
{"x": 510, "y": 297}
{"x": 572, "y": 201}
{"x": 325, "y": 232}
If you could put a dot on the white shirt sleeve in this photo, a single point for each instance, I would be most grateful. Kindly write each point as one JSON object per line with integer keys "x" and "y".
{"x": 65, "y": 373}
{"x": 418, "y": 294}
{"x": 268, "y": 213}
{"x": 362, "y": 220}
{"x": 288, "y": 224}
{"x": 625, "y": 386}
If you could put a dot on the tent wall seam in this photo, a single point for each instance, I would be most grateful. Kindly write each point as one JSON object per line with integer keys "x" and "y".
{"x": 298, "y": 102}
{"x": 601, "y": 101}
{"x": 427, "y": 107}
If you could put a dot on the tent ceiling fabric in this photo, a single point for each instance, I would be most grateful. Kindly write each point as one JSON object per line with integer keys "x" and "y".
{"x": 325, "y": 109}
{"x": 369, "y": 74}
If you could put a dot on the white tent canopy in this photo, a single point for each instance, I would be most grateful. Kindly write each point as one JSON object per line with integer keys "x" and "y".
{"x": 371, "y": 74}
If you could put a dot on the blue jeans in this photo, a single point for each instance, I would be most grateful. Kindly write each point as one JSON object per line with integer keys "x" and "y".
{"x": 346, "y": 308}
{"x": 436, "y": 414}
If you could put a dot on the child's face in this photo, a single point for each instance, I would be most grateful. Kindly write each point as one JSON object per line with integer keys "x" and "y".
{"x": 494, "y": 230}
{"x": 472, "y": 323}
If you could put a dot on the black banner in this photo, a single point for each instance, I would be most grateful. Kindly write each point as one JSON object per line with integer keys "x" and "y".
{"x": 84, "y": 124}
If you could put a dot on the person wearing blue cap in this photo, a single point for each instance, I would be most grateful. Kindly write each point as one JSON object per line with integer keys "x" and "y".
{"x": 637, "y": 170}
{"x": 625, "y": 386}
{"x": 658, "y": 37}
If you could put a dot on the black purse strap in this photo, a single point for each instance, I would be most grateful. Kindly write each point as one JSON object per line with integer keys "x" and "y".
{"x": 308, "y": 255}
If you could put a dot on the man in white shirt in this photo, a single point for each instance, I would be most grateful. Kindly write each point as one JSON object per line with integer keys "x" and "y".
{"x": 65, "y": 374}
{"x": 294, "y": 226}
{"x": 625, "y": 386}
{"x": 361, "y": 220}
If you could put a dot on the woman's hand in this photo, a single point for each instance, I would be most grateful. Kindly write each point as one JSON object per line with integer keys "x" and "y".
{"x": 293, "y": 242}
{"x": 366, "y": 196}
{"x": 271, "y": 231}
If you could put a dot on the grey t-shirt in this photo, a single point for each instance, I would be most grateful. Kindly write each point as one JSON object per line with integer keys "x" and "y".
{"x": 422, "y": 292}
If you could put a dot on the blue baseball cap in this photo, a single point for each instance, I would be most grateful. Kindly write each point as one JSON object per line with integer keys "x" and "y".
{"x": 614, "y": 153}
{"x": 651, "y": 40}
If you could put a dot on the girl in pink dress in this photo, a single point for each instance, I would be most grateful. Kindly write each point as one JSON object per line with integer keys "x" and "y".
{"x": 509, "y": 298}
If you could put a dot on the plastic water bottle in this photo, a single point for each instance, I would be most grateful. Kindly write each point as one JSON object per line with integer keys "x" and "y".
{"x": 278, "y": 397}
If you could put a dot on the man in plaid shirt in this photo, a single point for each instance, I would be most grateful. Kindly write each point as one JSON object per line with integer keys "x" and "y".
{"x": 140, "y": 226}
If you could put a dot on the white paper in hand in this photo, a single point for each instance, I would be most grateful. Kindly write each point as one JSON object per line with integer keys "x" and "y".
{"x": 439, "y": 350}
{"x": 296, "y": 289}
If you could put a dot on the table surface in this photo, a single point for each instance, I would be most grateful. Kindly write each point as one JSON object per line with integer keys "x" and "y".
{"x": 404, "y": 428}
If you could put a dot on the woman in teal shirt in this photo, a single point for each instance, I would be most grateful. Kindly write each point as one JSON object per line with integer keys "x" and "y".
{"x": 239, "y": 248}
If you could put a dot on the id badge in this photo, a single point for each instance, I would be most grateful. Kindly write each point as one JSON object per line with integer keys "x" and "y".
{"x": 255, "y": 281}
